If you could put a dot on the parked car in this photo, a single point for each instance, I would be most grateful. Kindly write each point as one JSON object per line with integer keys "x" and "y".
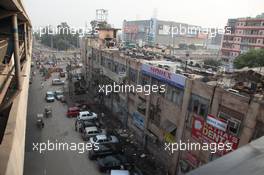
{"x": 119, "y": 172}
{"x": 73, "y": 112}
{"x": 80, "y": 125}
{"x": 62, "y": 74}
{"x": 86, "y": 115}
{"x": 57, "y": 82}
{"x": 115, "y": 162}
{"x": 104, "y": 139}
{"x": 59, "y": 94}
{"x": 92, "y": 131}
{"x": 50, "y": 96}
{"x": 103, "y": 151}
{"x": 83, "y": 106}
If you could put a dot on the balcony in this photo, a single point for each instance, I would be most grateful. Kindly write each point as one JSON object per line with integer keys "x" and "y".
{"x": 250, "y": 27}
{"x": 3, "y": 49}
{"x": 118, "y": 78}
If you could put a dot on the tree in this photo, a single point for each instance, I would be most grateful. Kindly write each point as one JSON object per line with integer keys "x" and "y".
{"x": 212, "y": 62}
{"x": 64, "y": 38}
{"x": 192, "y": 47}
{"x": 252, "y": 58}
{"x": 183, "y": 46}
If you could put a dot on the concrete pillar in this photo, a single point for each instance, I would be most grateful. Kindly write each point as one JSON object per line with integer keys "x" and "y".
{"x": 25, "y": 39}
{"x": 148, "y": 101}
{"x": 180, "y": 130}
{"x": 16, "y": 51}
{"x": 249, "y": 123}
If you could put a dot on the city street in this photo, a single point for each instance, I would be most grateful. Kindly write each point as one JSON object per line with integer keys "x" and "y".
{"x": 58, "y": 128}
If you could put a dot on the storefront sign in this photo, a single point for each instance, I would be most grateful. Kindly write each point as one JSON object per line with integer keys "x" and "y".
{"x": 211, "y": 120}
{"x": 177, "y": 80}
{"x": 138, "y": 120}
{"x": 204, "y": 132}
{"x": 130, "y": 29}
{"x": 191, "y": 159}
{"x": 169, "y": 138}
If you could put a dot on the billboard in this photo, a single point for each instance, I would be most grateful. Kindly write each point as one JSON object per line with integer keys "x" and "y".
{"x": 174, "y": 79}
{"x": 131, "y": 29}
{"x": 204, "y": 132}
{"x": 164, "y": 29}
{"x": 211, "y": 120}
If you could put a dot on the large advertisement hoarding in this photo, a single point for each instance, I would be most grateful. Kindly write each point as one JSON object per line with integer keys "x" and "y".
{"x": 174, "y": 79}
{"x": 204, "y": 132}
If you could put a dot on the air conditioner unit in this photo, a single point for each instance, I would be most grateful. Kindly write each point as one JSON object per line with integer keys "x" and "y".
{"x": 233, "y": 123}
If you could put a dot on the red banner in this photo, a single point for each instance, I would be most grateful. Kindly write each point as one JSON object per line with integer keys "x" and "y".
{"x": 204, "y": 132}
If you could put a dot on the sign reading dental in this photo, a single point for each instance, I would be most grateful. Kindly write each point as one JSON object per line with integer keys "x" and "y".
{"x": 174, "y": 79}
{"x": 204, "y": 132}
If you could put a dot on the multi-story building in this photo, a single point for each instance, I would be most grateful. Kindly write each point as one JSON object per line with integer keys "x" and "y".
{"x": 165, "y": 33}
{"x": 185, "y": 111}
{"x": 242, "y": 35}
{"x": 15, "y": 63}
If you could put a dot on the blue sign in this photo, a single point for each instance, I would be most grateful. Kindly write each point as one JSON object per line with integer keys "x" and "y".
{"x": 138, "y": 120}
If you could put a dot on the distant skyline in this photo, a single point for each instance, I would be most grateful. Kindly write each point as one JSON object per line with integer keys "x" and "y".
{"x": 206, "y": 13}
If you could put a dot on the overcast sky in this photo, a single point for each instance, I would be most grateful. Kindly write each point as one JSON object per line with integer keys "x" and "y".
{"x": 206, "y": 13}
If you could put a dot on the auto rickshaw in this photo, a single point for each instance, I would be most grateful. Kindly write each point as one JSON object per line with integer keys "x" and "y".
{"x": 40, "y": 122}
{"x": 48, "y": 111}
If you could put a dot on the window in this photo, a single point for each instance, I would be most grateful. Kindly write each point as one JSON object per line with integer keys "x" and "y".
{"x": 233, "y": 125}
{"x": 144, "y": 80}
{"x": 133, "y": 75}
{"x": 174, "y": 94}
{"x": 199, "y": 105}
{"x": 141, "y": 107}
{"x": 154, "y": 116}
{"x": 159, "y": 83}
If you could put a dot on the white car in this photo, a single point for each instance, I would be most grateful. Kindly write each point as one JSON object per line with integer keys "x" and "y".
{"x": 86, "y": 115}
{"x": 50, "y": 96}
{"x": 103, "y": 139}
{"x": 92, "y": 131}
{"x": 57, "y": 82}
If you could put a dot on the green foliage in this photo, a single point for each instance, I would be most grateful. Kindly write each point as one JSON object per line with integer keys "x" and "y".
{"x": 192, "y": 47}
{"x": 64, "y": 39}
{"x": 252, "y": 58}
{"x": 213, "y": 63}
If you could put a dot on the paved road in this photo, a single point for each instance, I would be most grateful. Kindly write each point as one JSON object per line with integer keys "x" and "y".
{"x": 58, "y": 128}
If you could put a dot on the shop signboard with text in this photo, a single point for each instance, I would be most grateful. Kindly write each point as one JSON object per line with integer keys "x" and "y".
{"x": 204, "y": 132}
{"x": 177, "y": 80}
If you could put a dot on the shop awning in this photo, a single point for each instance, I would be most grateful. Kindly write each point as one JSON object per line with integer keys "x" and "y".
{"x": 168, "y": 126}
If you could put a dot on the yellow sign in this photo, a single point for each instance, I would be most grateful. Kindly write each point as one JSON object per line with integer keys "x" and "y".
{"x": 168, "y": 137}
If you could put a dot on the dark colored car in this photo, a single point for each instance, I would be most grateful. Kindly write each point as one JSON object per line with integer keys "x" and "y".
{"x": 62, "y": 74}
{"x": 73, "y": 111}
{"x": 103, "y": 151}
{"x": 59, "y": 94}
{"x": 113, "y": 162}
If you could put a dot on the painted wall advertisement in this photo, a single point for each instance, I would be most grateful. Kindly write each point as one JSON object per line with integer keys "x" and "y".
{"x": 177, "y": 80}
{"x": 205, "y": 132}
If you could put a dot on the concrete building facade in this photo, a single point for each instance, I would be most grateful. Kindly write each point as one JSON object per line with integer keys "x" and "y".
{"x": 165, "y": 33}
{"x": 243, "y": 34}
{"x": 172, "y": 116}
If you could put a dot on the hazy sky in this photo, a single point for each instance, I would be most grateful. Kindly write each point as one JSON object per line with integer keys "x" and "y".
{"x": 206, "y": 13}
